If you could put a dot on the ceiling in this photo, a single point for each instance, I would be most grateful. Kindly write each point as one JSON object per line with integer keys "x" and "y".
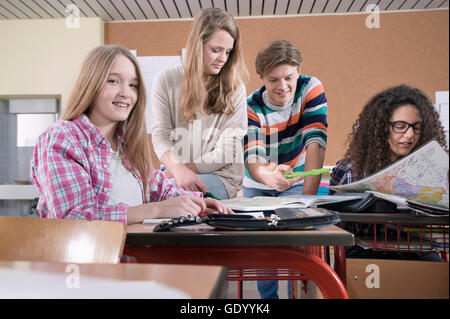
{"x": 129, "y": 10}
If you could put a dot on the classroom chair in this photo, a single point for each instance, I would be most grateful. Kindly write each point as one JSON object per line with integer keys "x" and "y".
{"x": 60, "y": 240}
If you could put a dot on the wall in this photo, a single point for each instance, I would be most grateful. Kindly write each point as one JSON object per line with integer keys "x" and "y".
{"x": 353, "y": 61}
{"x": 43, "y": 57}
{"x": 37, "y": 58}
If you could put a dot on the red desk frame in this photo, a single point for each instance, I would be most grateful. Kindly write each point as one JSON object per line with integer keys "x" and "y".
{"x": 213, "y": 248}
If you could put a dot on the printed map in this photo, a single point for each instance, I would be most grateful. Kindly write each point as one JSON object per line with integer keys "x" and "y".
{"x": 422, "y": 176}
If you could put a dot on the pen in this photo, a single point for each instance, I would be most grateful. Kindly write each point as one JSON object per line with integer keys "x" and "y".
{"x": 208, "y": 194}
{"x": 312, "y": 172}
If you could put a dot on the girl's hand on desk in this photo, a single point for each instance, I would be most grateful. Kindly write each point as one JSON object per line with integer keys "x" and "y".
{"x": 214, "y": 206}
{"x": 180, "y": 206}
{"x": 174, "y": 207}
{"x": 191, "y": 205}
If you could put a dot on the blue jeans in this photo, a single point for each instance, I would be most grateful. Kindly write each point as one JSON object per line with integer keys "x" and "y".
{"x": 213, "y": 185}
{"x": 268, "y": 289}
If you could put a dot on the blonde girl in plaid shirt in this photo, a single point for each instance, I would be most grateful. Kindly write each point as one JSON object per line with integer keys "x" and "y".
{"x": 70, "y": 164}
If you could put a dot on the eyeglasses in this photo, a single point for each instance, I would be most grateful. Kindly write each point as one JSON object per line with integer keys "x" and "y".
{"x": 403, "y": 127}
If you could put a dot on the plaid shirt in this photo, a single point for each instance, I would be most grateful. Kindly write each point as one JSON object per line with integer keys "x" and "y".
{"x": 70, "y": 168}
{"x": 342, "y": 174}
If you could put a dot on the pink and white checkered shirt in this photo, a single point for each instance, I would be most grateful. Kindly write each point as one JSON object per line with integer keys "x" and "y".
{"x": 70, "y": 168}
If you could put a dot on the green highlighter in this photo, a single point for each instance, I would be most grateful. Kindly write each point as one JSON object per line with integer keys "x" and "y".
{"x": 312, "y": 172}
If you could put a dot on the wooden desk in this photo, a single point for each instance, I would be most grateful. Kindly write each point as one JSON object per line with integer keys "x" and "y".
{"x": 242, "y": 250}
{"x": 49, "y": 280}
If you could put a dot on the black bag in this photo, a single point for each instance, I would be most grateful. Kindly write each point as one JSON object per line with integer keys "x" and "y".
{"x": 368, "y": 203}
{"x": 283, "y": 219}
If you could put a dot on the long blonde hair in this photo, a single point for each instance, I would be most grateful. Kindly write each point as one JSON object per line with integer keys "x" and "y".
{"x": 93, "y": 75}
{"x": 213, "y": 94}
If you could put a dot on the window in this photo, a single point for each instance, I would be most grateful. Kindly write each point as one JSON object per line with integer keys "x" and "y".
{"x": 30, "y": 126}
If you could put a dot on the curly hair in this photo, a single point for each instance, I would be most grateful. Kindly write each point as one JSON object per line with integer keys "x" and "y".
{"x": 368, "y": 142}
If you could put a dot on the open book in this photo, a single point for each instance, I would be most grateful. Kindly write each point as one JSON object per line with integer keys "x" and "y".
{"x": 268, "y": 203}
{"x": 421, "y": 177}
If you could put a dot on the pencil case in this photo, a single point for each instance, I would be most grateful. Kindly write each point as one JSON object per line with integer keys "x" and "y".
{"x": 281, "y": 219}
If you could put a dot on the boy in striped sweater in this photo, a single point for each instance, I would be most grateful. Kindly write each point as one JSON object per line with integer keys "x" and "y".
{"x": 287, "y": 131}
{"x": 287, "y": 125}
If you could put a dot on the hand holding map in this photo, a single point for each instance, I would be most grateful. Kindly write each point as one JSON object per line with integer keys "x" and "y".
{"x": 422, "y": 176}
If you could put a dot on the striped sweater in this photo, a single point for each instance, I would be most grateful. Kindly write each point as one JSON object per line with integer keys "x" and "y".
{"x": 281, "y": 134}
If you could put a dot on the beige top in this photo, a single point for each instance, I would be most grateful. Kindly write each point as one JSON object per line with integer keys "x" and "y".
{"x": 212, "y": 142}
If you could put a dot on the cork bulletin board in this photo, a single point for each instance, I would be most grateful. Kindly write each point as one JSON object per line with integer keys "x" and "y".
{"x": 352, "y": 61}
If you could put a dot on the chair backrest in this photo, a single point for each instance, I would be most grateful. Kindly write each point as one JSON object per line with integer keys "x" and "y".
{"x": 61, "y": 240}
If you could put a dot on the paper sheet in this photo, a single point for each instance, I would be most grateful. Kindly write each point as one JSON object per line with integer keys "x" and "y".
{"x": 18, "y": 284}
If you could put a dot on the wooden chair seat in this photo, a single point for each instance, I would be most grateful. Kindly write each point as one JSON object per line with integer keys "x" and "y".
{"x": 61, "y": 240}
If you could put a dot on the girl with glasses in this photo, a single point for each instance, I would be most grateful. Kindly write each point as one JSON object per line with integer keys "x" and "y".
{"x": 393, "y": 123}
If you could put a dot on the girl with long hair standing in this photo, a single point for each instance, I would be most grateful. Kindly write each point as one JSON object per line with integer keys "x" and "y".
{"x": 199, "y": 109}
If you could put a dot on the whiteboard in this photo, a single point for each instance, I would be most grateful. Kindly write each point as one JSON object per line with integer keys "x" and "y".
{"x": 150, "y": 66}
{"x": 441, "y": 106}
